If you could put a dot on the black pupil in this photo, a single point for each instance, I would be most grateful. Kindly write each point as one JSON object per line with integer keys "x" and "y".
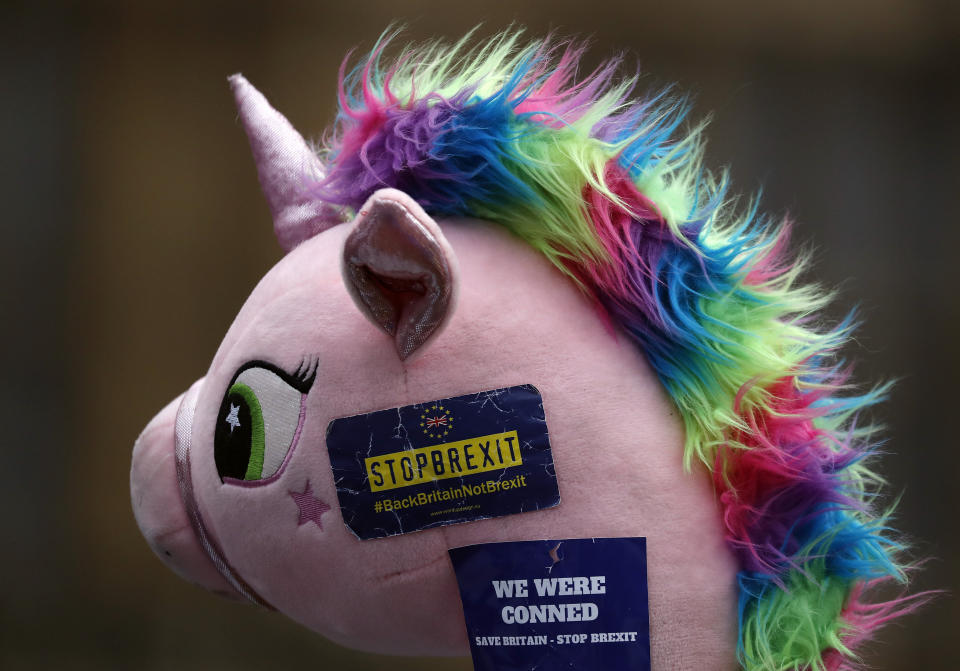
{"x": 231, "y": 442}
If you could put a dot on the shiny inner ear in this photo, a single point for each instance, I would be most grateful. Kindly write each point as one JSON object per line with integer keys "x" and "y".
{"x": 398, "y": 270}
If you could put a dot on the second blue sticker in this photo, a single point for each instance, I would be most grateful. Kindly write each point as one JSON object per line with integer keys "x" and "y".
{"x": 556, "y": 605}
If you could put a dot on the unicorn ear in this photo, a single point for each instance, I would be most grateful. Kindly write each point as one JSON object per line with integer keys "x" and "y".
{"x": 400, "y": 270}
{"x": 286, "y": 167}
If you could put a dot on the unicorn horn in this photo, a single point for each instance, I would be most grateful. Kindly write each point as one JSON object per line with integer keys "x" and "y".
{"x": 286, "y": 167}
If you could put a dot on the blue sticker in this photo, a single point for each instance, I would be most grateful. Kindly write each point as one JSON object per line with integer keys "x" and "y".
{"x": 443, "y": 462}
{"x": 560, "y": 604}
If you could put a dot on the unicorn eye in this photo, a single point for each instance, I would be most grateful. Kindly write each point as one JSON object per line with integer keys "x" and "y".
{"x": 259, "y": 422}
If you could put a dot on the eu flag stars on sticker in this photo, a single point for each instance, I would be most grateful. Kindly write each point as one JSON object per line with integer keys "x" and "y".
{"x": 436, "y": 422}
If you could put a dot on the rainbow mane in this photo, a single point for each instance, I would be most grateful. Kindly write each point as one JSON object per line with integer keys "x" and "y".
{"x": 602, "y": 185}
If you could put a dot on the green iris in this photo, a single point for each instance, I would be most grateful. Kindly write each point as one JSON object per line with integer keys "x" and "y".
{"x": 257, "y": 443}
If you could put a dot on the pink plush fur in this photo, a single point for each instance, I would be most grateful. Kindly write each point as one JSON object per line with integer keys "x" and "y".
{"x": 617, "y": 447}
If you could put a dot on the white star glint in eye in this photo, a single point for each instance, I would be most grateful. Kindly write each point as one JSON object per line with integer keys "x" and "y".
{"x": 232, "y": 418}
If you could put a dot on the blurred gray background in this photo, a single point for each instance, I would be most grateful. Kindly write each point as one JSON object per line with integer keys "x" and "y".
{"x": 133, "y": 230}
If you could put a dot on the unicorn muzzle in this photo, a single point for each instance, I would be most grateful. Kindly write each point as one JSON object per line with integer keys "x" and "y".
{"x": 159, "y": 509}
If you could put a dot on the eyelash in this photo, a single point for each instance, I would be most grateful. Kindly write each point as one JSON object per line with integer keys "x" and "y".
{"x": 306, "y": 372}
{"x": 301, "y": 379}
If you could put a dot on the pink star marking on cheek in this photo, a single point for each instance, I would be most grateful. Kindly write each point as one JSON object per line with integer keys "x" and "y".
{"x": 311, "y": 508}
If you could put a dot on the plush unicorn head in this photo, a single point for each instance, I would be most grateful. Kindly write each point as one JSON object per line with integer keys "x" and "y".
{"x": 479, "y": 218}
